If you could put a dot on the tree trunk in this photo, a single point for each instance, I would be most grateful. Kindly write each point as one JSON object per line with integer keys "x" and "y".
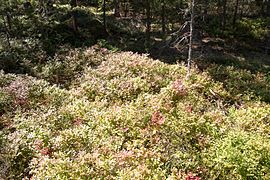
{"x": 220, "y": 15}
{"x": 163, "y": 18}
{"x": 205, "y": 10}
{"x": 262, "y": 8}
{"x": 104, "y": 14}
{"x": 74, "y": 4}
{"x": 268, "y": 8}
{"x": 148, "y": 21}
{"x": 7, "y": 31}
{"x": 224, "y": 14}
{"x": 180, "y": 17}
{"x": 235, "y": 12}
{"x": 8, "y": 20}
{"x": 126, "y": 8}
{"x": 190, "y": 36}
{"x": 116, "y": 8}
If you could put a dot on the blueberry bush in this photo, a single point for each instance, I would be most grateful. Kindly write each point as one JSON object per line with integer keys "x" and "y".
{"x": 121, "y": 115}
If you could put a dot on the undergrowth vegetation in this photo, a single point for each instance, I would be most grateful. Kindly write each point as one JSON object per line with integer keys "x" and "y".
{"x": 94, "y": 114}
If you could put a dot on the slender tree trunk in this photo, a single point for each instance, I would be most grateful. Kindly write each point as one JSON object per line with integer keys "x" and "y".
{"x": 180, "y": 17}
{"x": 126, "y": 8}
{"x": 7, "y": 31}
{"x": 262, "y": 8}
{"x": 74, "y": 4}
{"x": 148, "y": 21}
{"x": 104, "y": 14}
{"x": 241, "y": 10}
{"x": 219, "y": 6}
{"x": 268, "y": 8}
{"x": 163, "y": 18}
{"x": 116, "y": 8}
{"x": 235, "y": 12}
{"x": 205, "y": 10}
{"x": 190, "y": 36}
{"x": 224, "y": 14}
{"x": 9, "y": 21}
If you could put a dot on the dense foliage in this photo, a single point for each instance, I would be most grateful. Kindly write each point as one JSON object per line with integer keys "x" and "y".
{"x": 125, "y": 116}
{"x": 85, "y": 92}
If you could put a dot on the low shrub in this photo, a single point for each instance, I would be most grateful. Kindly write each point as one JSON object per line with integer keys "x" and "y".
{"x": 127, "y": 116}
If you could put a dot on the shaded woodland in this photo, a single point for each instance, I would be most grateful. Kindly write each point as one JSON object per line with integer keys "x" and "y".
{"x": 158, "y": 27}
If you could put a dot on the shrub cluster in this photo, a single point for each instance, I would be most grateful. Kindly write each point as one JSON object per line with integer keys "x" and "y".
{"x": 127, "y": 116}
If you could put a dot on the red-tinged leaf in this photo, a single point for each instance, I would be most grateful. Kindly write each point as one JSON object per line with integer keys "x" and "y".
{"x": 125, "y": 129}
{"x": 157, "y": 118}
{"x": 78, "y": 121}
{"x": 190, "y": 176}
{"x": 38, "y": 144}
{"x": 45, "y": 151}
{"x": 189, "y": 108}
{"x": 179, "y": 87}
